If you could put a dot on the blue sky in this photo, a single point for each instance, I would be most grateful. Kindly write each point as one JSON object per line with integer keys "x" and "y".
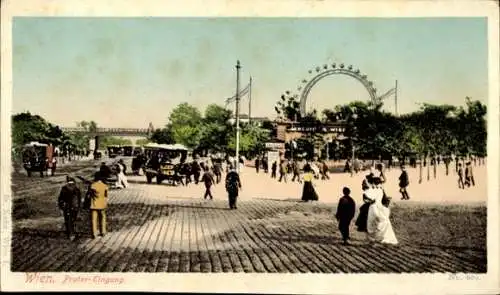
{"x": 127, "y": 72}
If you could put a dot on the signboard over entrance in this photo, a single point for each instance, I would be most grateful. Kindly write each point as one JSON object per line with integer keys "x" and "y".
{"x": 275, "y": 145}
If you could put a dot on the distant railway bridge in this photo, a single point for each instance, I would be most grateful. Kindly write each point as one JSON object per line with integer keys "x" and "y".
{"x": 97, "y": 133}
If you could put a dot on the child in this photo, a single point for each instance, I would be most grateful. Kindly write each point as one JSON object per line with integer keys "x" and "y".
{"x": 345, "y": 213}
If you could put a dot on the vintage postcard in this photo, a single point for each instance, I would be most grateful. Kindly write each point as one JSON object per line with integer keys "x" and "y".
{"x": 284, "y": 147}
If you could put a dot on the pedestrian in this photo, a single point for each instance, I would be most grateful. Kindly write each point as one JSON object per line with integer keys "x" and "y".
{"x": 265, "y": 165}
{"x": 283, "y": 171}
{"x": 469, "y": 176}
{"x": 208, "y": 179}
{"x": 345, "y": 213}
{"x": 105, "y": 171}
{"x": 308, "y": 191}
{"x": 195, "y": 170}
{"x": 379, "y": 226}
{"x": 187, "y": 172}
{"x": 69, "y": 202}
{"x": 257, "y": 164}
{"x": 296, "y": 171}
{"x": 365, "y": 184}
{"x": 460, "y": 172}
{"x": 361, "y": 221}
{"x": 54, "y": 166}
{"x": 324, "y": 171}
{"x": 121, "y": 179}
{"x": 274, "y": 166}
{"x": 98, "y": 203}
{"x": 403, "y": 184}
{"x": 217, "y": 171}
{"x": 380, "y": 172}
{"x": 124, "y": 167}
{"x": 446, "y": 161}
{"x": 357, "y": 165}
{"x": 233, "y": 185}
{"x": 179, "y": 174}
{"x": 347, "y": 167}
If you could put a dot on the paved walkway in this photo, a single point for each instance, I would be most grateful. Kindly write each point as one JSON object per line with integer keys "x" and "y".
{"x": 155, "y": 230}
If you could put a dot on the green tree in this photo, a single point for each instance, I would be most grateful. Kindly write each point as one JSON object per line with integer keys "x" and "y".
{"x": 288, "y": 108}
{"x": 142, "y": 141}
{"x": 185, "y": 121}
{"x": 89, "y": 126}
{"x": 162, "y": 136}
{"x": 27, "y": 127}
{"x": 252, "y": 140}
{"x": 474, "y": 125}
{"x": 113, "y": 140}
{"x": 80, "y": 141}
{"x": 215, "y": 129}
{"x": 330, "y": 116}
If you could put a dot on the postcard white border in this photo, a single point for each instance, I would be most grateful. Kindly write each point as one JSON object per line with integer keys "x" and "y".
{"x": 268, "y": 283}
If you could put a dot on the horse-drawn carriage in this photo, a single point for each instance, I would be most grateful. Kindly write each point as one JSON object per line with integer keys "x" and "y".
{"x": 37, "y": 157}
{"x": 164, "y": 162}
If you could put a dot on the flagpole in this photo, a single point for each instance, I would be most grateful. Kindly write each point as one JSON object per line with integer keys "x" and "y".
{"x": 238, "y": 116}
{"x": 250, "y": 102}
{"x": 396, "y": 98}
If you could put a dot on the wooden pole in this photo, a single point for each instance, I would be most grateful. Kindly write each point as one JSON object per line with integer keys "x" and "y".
{"x": 250, "y": 102}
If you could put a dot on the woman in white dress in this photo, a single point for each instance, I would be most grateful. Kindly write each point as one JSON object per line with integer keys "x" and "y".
{"x": 379, "y": 225}
{"x": 121, "y": 181}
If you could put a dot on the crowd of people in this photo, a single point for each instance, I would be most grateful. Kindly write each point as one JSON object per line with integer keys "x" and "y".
{"x": 373, "y": 218}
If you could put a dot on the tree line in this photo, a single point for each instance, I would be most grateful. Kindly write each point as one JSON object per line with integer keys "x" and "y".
{"x": 27, "y": 127}
{"x": 430, "y": 131}
{"x": 211, "y": 132}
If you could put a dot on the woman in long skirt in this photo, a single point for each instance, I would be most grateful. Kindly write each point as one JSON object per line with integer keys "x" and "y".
{"x": 308, "y": 192}
{"x": 379, "y": 225}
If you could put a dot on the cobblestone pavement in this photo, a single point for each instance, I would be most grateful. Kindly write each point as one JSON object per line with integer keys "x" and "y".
{"x": 150, "y": 232}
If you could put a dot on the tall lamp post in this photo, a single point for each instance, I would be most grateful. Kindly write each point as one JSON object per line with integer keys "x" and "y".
{"x": 238, "y": 67}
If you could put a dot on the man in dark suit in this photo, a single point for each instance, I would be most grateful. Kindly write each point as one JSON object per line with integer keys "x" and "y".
{"x": 69, "y": 202}
{"x": 345, "y": 213}
{"x": 233, "y": 185}
{"x": 403, "y": 184}
{"x": 274, "y": 166}
{"x": 208, "y": 179}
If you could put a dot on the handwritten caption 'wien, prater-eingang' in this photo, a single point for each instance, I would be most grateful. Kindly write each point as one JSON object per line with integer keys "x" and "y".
{"x": 37, "y": 278}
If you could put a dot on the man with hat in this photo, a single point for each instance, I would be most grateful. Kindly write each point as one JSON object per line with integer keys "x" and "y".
{"x": 69, "y": 202}
{"x": 345, "y": 213}
{"x": 233, "y": 185}
{"x": 403, "y": 183}
{"x": 98, "y": 195}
